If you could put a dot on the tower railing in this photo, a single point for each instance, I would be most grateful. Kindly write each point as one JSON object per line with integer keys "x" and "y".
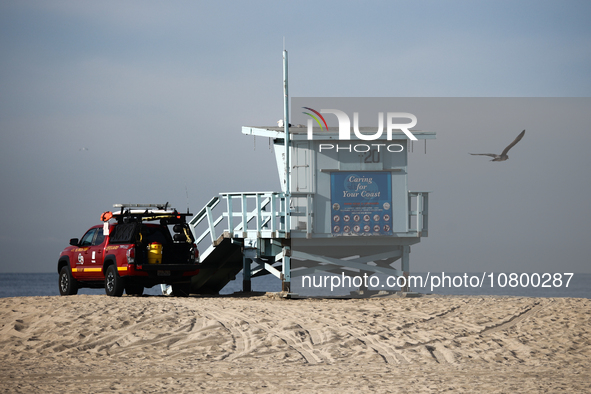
{"x": 256, "y": 214}
{"x": 418, "y": 209}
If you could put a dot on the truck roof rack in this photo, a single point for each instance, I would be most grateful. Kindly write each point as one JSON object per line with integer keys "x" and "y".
{"x": 148, "y": 212}
{"x": 159, "y": 206}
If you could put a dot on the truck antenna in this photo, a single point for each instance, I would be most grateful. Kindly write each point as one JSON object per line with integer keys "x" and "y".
{"x": 187, "y": 194}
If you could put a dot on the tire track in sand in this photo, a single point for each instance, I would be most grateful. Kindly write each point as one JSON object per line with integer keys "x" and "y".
{"x": 374, "y": 342}
{"x": 513, "y": 320}
{"x": 243, "y": 340}
{"x": 302, "y": 346}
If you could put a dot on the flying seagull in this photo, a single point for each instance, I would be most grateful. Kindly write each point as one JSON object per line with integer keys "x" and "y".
{"x": 503, "y": 156}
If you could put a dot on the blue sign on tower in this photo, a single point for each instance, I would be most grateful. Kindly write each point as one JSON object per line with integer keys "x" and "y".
{"x": 361, "y": 203}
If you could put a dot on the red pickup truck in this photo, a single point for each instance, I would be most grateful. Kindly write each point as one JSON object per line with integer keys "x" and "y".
{"x": 132, "y": 249}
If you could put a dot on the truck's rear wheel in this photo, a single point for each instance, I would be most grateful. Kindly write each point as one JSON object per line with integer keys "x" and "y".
{"x": 114, "y": 285}
{"x": 67, "y": 284}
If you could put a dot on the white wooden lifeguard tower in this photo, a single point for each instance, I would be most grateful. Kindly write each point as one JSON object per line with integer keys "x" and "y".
{"x": 344, "y": 208}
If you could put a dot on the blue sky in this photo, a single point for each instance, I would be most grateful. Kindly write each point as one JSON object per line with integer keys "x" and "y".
{"x": 129, "y": 80}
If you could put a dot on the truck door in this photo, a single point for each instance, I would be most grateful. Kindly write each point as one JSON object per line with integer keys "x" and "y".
{"x": 82, "y": 256}
{"x": 95, "y": 256}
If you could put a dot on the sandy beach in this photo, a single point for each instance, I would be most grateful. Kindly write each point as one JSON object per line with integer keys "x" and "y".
{"x": 268, "y": 344}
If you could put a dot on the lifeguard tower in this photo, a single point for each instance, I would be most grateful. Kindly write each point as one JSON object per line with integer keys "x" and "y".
{"x": 344, "y": 208}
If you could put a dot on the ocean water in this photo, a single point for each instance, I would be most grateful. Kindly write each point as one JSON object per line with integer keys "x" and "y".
{"x": 46, "y": 284}
{"x": 579, "y": 286}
